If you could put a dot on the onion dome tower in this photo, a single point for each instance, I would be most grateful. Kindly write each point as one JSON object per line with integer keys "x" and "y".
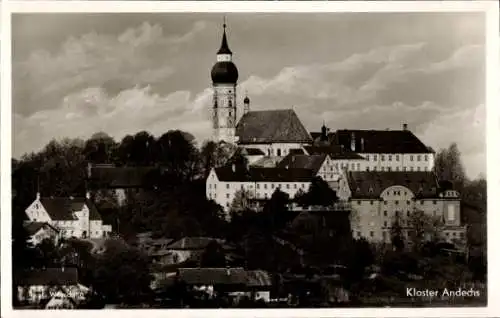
{"x": 224, "y": 81}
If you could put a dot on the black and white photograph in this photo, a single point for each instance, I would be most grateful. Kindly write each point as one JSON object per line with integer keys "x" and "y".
{"x": 190, "y": 160}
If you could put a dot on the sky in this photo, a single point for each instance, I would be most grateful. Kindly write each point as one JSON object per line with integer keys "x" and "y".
{"x": 77, "y": 74}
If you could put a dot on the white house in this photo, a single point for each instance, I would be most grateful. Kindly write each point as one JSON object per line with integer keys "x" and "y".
{"x": 223, "y": 183}
{"x": 73, "y": 217}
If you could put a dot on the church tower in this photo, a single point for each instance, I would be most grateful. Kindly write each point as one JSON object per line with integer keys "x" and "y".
{"x": 224, "y": 80}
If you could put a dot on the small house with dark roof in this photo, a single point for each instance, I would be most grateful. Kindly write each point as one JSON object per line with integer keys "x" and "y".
{"x": 73, "y": 217}
{"x": 119, "y": 179}
{"x": 234, "y": 280}
{"x": 39, "y": 231}
{"x": 38, "y": 286}
{"x": 379, "y": 198}
{"x": 259, "y": 183}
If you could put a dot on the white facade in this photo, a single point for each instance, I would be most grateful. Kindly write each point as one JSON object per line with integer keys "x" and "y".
{"x": 223, "y": 193}
{"x": 398, "y": 162}
{"x": 81, "y": 227}
{"x": 374, "y": 217}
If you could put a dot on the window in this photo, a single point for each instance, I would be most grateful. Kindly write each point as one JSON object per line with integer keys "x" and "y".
{"x": 418, "y": 168}
{"x": 451, "y": 213}
{"x": 374, "y": 157}
{"x": 359, "y": 202}
{"x": 407, "y": 213}
{"x": 385, "y": 223}
{"x": 384, "y": 234}
{"x": 227, "y": 195}
{"x": 385, "y": 202}
{"x": 359, "y": 166}
{"x": 372, "y": 234}
{"x": 396, "y": 202}
{"x": 397, "y": 168}
{"x": 303, "y": 186}
{"x": 295, "y": 186}
{"x": 257, "y": 186}
{"x": 353, "y": 167}
{"x": 418, "y": 158}
{"x": 268, "y": 152}
{"x": 407, "y": 202}
{"x": 367, "y": 168}
{"x": 288, "y": 186}
{"x": 279, "y": 152}
{"x": 272, "y": 185}
{"x": 382, "y": 157}
{"x": 389, "y": 169}
{"x": 397, "y": 157}
{"x": 426, "y": 158}
{"x": 371, "y": 202}
{"x": 404, "y": 168}
{"x": 382, "y": 169}
{"x": 434, "y": 202}
{"x": 390, "y": 158}
{"x": 359, "y": 234}
{"x": 411, "y": 168}
{"x": 385, "y": 213}
{"x": 227, "y": 185}
{"x": 411, "y": 157}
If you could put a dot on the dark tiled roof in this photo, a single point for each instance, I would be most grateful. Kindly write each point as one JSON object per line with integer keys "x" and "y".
{"x": 61, "y": 209}
{"x": 267, "y": 162}
{"x": 213, "y": 276}
{"x": 297, "y": 152}
{"x": 48, "y": 276}
{"x": 33, "y": 227}
{"x": 191, "y": 243}
{"x": 381, "y": 141}
{"x": 271, "y": 126}
{"x": 313, "y": 162}
{"x": 258, "y": 278}
{"x": 370, "y": 184}
{"x": 252, "y": 152}
{"x": 258, "y": 174}
{"x": 334, "y": 151}
{"x": 119, "y": 177}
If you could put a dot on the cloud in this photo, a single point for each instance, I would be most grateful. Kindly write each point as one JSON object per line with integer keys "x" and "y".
{"x": 130, "y": 111}
{"x": 96, "y": 60}
{"x": 377, "y": 89}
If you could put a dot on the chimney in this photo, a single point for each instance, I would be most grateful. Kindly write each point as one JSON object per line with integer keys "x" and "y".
{"x": 405, "y": 126}
{"x": 87, "y": 195}
{"x": 38, "y": 195}
{"x": 233, "y": 167}
{"x": 362, "y": 144}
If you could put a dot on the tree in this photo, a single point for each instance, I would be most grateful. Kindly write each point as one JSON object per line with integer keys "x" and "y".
{"x": 241, "y": 201}
{"x": 100, "y": 148}
{"x": 121, "y": 273}
{"x": 448, "y": 166}
{"x": 423, "y": 228}
{"x": 397, "y": 233}
{"x": 213, "y": 155}
{"x": 276, "y": 210}
{"x": 319, "y": 194}
{"x": 178, "y": 155}
{"x": 213, "y": 255}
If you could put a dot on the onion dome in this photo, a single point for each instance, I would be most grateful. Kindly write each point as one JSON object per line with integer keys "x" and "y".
{"x": 224, "y": 71}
